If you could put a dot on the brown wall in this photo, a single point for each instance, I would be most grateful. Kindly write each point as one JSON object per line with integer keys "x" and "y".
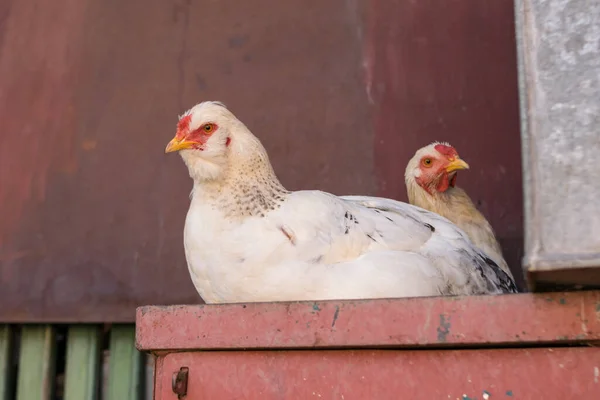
{"x": 340, "y": 92}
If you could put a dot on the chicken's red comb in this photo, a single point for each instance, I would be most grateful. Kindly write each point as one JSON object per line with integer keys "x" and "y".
{"x": 446, "y": 150}
{"x": 184, "y": 123}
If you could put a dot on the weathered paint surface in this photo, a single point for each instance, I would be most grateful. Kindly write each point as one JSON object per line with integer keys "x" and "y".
{"x": 446, "y": 71}
{"x": 560, "y": 81}
{"x": 507, "y": 320}
{"x": 341, "y": 93}
{"x": 92, "y": 209}
{"x": 552, "y": 373}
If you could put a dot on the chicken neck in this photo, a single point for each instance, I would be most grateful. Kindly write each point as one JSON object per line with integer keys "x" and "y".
{"x": 247, "y": 187}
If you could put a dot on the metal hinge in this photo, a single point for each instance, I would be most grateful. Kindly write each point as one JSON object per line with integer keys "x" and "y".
{"x": 180, "y": 382}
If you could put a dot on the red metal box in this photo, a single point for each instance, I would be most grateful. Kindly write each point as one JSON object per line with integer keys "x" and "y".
{"x": 523, "y": 346}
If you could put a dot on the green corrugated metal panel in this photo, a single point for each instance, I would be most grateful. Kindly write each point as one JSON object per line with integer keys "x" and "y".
{"x": 150, "y": 361}
{"x": 36, "y": 363}
{"x": 37, "y": 359}
{"x": 6, "y": 369}
{"x": 82, "y": 362}
{"x": 126, "y": 365}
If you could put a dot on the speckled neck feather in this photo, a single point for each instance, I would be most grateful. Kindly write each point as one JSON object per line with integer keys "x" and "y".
{"x": 248, "y": 185}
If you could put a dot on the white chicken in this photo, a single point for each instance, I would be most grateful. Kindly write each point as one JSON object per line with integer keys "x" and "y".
{"x": 248, "y": 239}
{"x": 430, "y": 179}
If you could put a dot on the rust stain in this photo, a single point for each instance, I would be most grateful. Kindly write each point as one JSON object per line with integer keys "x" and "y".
{"x": 89, "y": 144}
{"x": 443, "y": 329}
{"x": 335, "y": 316}
{"x": 581, "y": 315}
{"x": 11, "y": 257}
{"x": 36, "y": 106}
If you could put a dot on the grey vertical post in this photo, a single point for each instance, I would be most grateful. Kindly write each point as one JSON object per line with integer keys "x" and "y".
{"x": 559, "y": 77}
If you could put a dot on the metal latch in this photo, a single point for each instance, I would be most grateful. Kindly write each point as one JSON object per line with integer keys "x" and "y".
{"x": 180, "y": 382}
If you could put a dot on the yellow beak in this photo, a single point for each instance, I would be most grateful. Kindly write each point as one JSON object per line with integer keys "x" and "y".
{"x": 178, "y": 144}
{"x": 456, "y": 164}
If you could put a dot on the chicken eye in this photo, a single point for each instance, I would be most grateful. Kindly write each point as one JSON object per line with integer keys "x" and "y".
{"x": 208, "y": 128}
{"x": 427, "y": 162}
